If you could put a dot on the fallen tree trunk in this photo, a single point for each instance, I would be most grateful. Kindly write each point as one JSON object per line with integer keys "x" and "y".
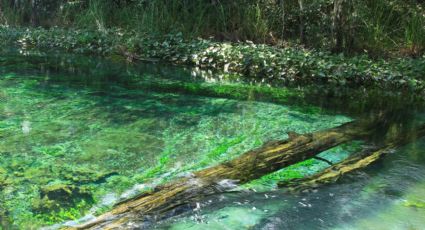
{"x": 335, "y": 172}
{"x": 352, "y": 163}
{"x": 249, "y": 166}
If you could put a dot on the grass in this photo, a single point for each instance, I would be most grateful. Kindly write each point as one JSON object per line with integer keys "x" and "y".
{"x": 415, "y": 33}
{"x": 192, "y": 18}
{"x": 378, "y": 27}
{"x": 380, "y": 31}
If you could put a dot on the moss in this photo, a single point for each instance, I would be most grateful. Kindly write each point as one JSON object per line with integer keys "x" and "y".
{"x": 61, "y": 195}
{"x": 64, "y": 214}
{"x": 305, "y": 168}
{"x": 82, "y": 175}
{"x": 61, "y": 201}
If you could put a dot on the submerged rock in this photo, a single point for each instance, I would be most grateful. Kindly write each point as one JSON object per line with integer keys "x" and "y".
{"x": 84, "y": 175}
{"x": 57, "y": 196}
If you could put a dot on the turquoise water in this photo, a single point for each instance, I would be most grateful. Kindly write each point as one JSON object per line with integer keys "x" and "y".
{"x": 389, "y": 195}
{"x": 78, "y": 134}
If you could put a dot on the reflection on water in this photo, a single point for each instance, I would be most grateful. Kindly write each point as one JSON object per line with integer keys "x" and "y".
{"x": 78, "y": 134}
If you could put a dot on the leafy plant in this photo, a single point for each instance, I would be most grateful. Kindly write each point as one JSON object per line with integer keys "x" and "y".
{"x": 290, "y": 65}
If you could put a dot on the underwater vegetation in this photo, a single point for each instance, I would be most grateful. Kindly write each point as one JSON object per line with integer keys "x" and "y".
{"x": 72, "y": 148}
{"x": 78, "y": 135}
{"x": 387, "y": 195}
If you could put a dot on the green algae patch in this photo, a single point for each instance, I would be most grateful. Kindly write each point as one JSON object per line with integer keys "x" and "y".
{"x": 54, "y": 197}
{"x": 414, "y": 204}
{"x": 305, "y": 168}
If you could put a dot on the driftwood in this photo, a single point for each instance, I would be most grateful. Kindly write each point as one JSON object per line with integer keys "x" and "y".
{"x": 249, "y": 166}
{"x": 352, "y": 163}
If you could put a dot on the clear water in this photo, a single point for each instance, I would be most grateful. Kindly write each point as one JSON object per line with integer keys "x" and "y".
{"x": 389, "y": 195}
{"x": 78, "y": 134}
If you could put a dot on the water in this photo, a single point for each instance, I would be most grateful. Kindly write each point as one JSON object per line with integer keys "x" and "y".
{"x": 78, "y": 134}
{"x": 389, "y": 195}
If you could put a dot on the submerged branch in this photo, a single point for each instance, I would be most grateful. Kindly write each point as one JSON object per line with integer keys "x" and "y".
{"x": 352, "y": 163}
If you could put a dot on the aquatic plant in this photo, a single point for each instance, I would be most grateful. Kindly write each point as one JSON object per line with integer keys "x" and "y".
{"x": 66, "y": 134}
{"x": 304, "y": 168}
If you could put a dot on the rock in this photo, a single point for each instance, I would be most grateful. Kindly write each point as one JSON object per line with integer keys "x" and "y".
{"x": 58, "y": 191}
{"x": 84, "y": 175}
{"x": 56, "y": 196}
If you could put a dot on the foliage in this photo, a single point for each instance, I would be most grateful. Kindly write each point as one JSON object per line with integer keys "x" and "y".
{"x": 375, "y": 26}
{"x": 293, "y": 66}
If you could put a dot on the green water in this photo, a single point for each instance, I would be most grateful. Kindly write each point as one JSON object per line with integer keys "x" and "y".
{"x": 390, "y": 195}
{"x": 78, "y": 134}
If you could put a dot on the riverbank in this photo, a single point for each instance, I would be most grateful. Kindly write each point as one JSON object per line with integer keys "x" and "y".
{"x": 288, "y": 65}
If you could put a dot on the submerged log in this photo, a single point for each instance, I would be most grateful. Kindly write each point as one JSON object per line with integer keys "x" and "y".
{"x": 249, "y": 166}
{"x": 352, "y": 163}
{"x": 335, "y": 172}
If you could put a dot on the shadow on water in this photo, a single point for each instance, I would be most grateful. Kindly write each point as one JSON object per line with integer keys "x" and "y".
{"x": 103, "y": 75}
